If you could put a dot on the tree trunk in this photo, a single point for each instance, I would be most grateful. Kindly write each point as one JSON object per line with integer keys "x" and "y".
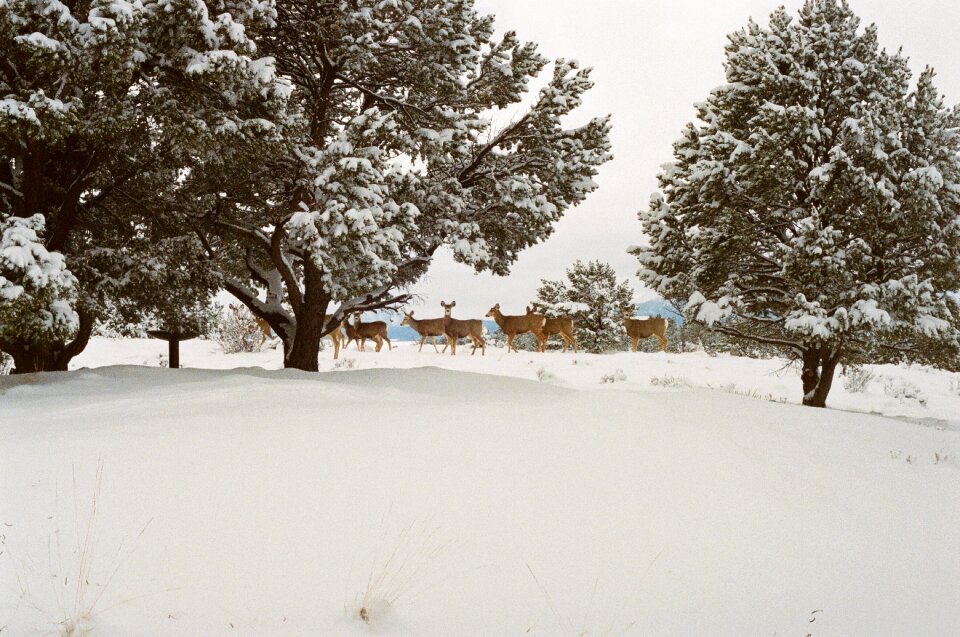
{"x": 304, "y": 348}
{"x": 819, "y": 365}
{"x": 303, "y": 352}
{"x": 49, "y": 357}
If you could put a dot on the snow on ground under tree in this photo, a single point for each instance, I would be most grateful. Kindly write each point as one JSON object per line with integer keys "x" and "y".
{"x": 529, "y": 498}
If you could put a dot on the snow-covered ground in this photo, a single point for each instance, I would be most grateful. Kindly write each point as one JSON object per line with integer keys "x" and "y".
{"x": 504, "y": 495}
{"x": 917, "y": 393}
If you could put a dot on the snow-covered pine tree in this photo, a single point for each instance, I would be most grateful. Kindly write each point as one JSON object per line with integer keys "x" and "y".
{"x": 594, "y": 298}
{"x": 814, "y": 204}
{"x": 36, "y": 288}
{"x": 101, "y": 100}
{"x": 396, "y": 157}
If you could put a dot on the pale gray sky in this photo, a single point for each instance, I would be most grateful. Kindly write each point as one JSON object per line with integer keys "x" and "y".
{"x": 652, "y": 60}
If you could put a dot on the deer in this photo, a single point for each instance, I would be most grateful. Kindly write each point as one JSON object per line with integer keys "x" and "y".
{"x": 645, "y": 328}
{"x": 360, "y": 332}
{"x": 431, "y": 328}
{"x": 338, "y": 339}
{"x": 562, "y": 325}
{"x": 513, "y": 326}
{"x": 455, "y": 329}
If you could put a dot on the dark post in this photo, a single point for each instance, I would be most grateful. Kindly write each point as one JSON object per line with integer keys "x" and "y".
{"x": 173, "y": 341}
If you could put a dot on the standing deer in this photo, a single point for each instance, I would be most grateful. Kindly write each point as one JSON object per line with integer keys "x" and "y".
{"x": 513, "y": 326}
{"x": 337, "y": 338}
{"x": 645, "y": 328}
{"x": 425, "y": 328}
{"x": 351, "y": 333}
{"x": 562, "y": 325}
{"x": 360, "y": 332}
{"x": 455, "y": 329}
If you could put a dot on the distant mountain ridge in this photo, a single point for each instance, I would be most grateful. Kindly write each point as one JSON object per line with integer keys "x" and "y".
{"x": 658, "y": 307}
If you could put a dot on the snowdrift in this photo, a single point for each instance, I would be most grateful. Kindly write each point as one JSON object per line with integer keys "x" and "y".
{"x": 428, "y": 501}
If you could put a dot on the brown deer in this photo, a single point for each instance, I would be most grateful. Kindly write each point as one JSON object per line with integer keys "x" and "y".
{"x": 374, "y": 330}
{"x": 562, "y": 326}
{"x": 351, "y": 333}
{"x": 338, "y": 339}
{"x": 455, "y": 329}
{"x": 431, "y": 328}
{"x": 513, "y": 326}
{"x": 645, "y": 328}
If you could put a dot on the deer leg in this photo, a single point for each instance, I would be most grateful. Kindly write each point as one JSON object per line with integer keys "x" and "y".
{"x": 453, "y": 345}
{"x": 422, "y": 339}
{"x": 379, "y": 341}
{"x": 636, "y": 342}
{"x": 433, "y": 339}
{"x": 663, "y": 342}
{"x": 510, "y": 343}
{"x": 389, "y": 344}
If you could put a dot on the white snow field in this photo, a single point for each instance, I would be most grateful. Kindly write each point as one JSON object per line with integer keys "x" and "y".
{"x": 505, "y": 495}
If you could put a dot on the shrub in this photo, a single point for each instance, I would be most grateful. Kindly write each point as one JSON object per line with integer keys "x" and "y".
{"x": 616, "y": 377}
{"x": 238, "y": 331}
{"x": 902, "y": 389}
{"x": 677, "y": 382}
{"x": 856, "y": 378}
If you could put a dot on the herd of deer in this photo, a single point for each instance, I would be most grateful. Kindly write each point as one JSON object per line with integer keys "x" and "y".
{"x": 455, "y": 329}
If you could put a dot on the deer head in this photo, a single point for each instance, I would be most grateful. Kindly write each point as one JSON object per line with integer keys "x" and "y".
{"x": 494, "y": 311}
{"x": 448, "y": 307}
{"x": 407, "y": 318}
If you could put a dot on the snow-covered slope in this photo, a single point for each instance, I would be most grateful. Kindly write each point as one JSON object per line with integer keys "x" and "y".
{"x": 918, "y": 393}
{"x": 448, "y": 502}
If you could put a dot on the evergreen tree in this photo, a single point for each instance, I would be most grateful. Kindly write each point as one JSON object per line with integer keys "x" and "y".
{"x": 391, "y": 158}
{"x": 594, "y": 298}
{"x": 105, "y": 108}
{"x": 814, "y": 205}
{"x": 36, "y": 288}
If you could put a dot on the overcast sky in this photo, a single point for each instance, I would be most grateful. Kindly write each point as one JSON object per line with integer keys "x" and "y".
{"x": 652, "y": 60}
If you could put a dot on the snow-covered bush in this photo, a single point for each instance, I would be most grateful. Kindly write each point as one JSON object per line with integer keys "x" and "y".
{"x": 345, "y": 363}
{"x": 676, "y": 382}
{"x": 36, "y": 288}
{"x": 6, "y": 363}
{"x": 545, "y": 376}
{"x": 594, "y": 299}
{"x": 813, "y": 205}
{"x": 856, "y": 378}
{"x": 238, "y": 331}
{"x": 618, "y": 376}
{"x": 902, "y": 389}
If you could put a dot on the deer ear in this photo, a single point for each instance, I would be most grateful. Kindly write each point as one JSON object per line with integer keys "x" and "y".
{"x": 411, "y": 313}
{"x": 454, "y": 304}
{"x": 443, "y": 304}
